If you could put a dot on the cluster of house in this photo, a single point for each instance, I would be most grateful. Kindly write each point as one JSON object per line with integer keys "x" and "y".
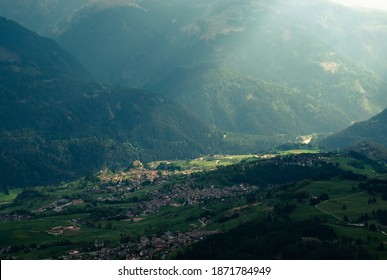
{"x": 132, "y": 178}
{"x": 146, "y": 248}
{"x": 295, "y": 159}
{"x": 121, "y": 184}
{"x": 58, "y": 205}
{"x": 15, "y": 217}
{"x": 186, "y": 195}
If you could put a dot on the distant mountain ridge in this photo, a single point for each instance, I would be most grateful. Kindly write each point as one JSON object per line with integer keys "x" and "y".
{"x": 144, "y": 45}
{"x": 334, "y": 57}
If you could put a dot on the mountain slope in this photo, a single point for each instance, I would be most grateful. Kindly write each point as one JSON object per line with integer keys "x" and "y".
{"x": 373, "y": 130}
{"x": 233, "y": 102}
{"x": 41, "y": 16}
{"x": 334, "y": 56}
{"x": 55, "y": 126}
{"x": 143, "y": 44}
{"x": 21, "y": 47}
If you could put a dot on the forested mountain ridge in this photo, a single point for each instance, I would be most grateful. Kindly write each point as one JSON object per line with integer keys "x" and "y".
{"x": 56, "y": 125}
{"x": 25, "y": 53}
{"x": 253, "y": 40}
{"x": 332, "y": 57}
{"x": 373, "y": 130}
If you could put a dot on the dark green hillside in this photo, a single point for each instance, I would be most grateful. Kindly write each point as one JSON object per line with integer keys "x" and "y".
{"x": 275, "y": 239}
{"x": 374, "y": 130}
{"x": 371, "y": 150}
{"x": 51, "y": 142}
{"x": 55, "y": 126}
{"x": 160, "y": 127}
{"x": 25, "y": 55}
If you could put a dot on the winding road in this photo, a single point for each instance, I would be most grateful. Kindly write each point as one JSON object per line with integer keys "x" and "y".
{"x": 333, "y": 215}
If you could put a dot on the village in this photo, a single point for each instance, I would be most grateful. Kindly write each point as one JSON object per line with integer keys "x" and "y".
{"x": 118, "y": 186}
{"x": 146, "y": 248}
{"x": 183, "y": 195}
{"x": 145, "y": 192}
{"x": 58, "y": 205}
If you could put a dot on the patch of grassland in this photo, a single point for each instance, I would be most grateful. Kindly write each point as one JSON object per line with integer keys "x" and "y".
{"x": 345, "y": 163}
{"x": 354, "y": 205}
{"x": 300, "y": 151}
{"x": 7, "y": 198}
{"x": 306, "y": 212}
{"x": 334, "y": 188}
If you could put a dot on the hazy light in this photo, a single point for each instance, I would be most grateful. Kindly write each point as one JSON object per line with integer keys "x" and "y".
{"x": 371, "y": 4}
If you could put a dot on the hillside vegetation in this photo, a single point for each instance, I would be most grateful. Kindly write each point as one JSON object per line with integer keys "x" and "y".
{"x": 372, "y": 130}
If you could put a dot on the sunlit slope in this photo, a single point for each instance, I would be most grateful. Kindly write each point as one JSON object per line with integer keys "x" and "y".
{"x": 237, "y": 103}
{"x": 144, "y": 44}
